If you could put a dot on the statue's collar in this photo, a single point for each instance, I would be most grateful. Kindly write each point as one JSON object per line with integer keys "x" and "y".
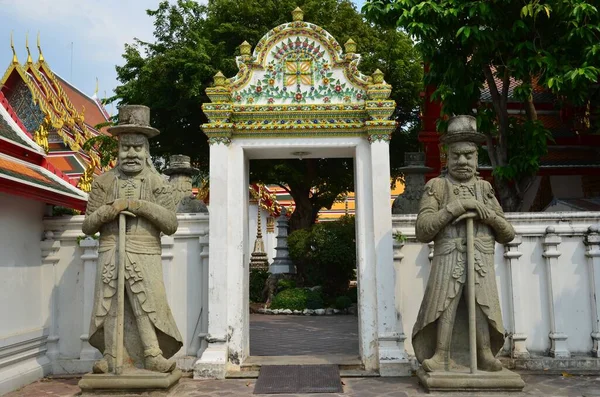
{"x": 454, "y": 182}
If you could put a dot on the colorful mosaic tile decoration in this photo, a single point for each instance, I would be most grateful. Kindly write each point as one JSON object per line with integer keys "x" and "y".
{"x": 298, "y": 82}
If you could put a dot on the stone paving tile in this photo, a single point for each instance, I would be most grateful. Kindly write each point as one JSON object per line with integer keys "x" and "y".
{"x": 280, "y": 335}
{"x": 536, "y": 385}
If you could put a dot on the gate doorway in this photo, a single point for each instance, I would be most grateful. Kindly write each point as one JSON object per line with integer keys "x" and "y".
{"x": 297, "y": 92}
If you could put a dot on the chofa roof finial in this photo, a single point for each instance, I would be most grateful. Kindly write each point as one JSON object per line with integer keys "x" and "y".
{"x": 29, "y": 60}
{"x": 41, "y": 56}
{"x": 15, "y": 60}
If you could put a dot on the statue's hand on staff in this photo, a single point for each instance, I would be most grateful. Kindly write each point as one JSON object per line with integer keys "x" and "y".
{"x": 120, "y": 204}
{"x": 483, "y": 213}
{"x": 110, "y": 211}
{"x": 135, "y": 205}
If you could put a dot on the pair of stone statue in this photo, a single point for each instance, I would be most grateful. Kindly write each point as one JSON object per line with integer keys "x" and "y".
{"x": 135, "y": 191}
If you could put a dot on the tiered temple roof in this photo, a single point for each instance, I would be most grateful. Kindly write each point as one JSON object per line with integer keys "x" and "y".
{"x": 58, "y": 116}
{"x": 24, "y": 168}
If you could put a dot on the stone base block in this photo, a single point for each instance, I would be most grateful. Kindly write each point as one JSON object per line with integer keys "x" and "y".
{"x": 504, "y": 380}
{"x": 209, "y": 370}
{"x": 395, "y": 369}
{"x": 129, "y": 383}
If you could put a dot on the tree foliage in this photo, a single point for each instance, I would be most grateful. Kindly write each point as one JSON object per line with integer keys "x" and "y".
{"x": 552, "y": 44}
{"x": 193, "y": 41}
{"x": 325, "y": 254}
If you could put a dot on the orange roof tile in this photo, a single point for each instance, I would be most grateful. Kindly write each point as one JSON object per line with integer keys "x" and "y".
{"x": 93, "y": 114}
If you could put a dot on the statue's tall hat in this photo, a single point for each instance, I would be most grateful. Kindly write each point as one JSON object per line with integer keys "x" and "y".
{"x": 134, "y": 119}
{"x": 462, "y": 129}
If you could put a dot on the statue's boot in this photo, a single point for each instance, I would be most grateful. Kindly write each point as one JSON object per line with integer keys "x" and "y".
{"x": 104, "y": 365}
{"x": 153, "y": 358}
{"x": 439, "y": 362}
{"x": 158, "y": 363}
{"x": 485, "y": 358}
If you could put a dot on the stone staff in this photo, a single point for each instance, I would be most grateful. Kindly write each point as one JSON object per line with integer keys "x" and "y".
{"x": 120, "y": 323}
{"x": 469, "y": 218}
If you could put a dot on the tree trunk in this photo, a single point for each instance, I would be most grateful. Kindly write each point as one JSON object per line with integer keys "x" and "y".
{"x": 303, "y": 217}
{"x": 508, "y": 196}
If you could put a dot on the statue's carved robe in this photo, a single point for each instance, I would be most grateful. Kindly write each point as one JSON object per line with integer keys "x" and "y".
{"x": 439, "y": 206}
{"x": 143, "y": 265}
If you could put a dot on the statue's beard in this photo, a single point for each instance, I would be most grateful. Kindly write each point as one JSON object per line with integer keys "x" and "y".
{"x": 132, "y": 165}
{"x": 462, "y": 173}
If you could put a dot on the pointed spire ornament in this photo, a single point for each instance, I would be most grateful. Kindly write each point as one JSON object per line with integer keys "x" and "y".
{"x": 377, "y": 77}
{"x": 245, "y": 48}
{"x": 258, "y": 258}
{"x": 15, "y": 60}
{"x": 29, "y": 60}
{"x": 219, "y": 79}
{"x": 297, "y": 14}
{"x": 96, "y": 90}
{"x": 350, "y": 46}
{"x": 41, "y": 56}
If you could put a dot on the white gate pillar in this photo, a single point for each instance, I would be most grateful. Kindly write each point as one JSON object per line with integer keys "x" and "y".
{"x": 238, "y": 329}
{"x": 365, "y": 258}
{"x": 212, "y": 363}
{"x": 392, "y": 355}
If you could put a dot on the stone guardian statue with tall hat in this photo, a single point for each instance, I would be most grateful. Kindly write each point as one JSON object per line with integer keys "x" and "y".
{"x": 459, "y": 330}
{"x": 131, "y": 325}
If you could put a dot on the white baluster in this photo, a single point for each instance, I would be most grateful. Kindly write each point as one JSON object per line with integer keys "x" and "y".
{"x": 592, "y": 242}
{"x": 50, "y": 258}
{"x": 518, "y": 337}
{"x": 558, "y": 340}
{"x": 90, "y": 263}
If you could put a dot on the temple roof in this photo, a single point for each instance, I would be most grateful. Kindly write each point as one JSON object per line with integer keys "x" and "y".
{"x": 95, "y": 113}
{"x": 12, "y": 129}
{"x": 13, "y": 169}
{"x": 56, "y": 115}
{"x": 24, "y": 169}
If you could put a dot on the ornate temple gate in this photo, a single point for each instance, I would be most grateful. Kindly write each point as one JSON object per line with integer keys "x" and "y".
{"x": 298, "y": 92}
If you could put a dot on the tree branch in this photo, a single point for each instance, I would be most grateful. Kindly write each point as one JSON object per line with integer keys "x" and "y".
{"x": 501, "y": 113}
{"x": 284, "y": 187}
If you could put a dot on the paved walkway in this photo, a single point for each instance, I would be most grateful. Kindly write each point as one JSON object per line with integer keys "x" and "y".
{"x": 536, "y": 385}
{"x": 323, "y": 335}
{"x": 280, "y": 335}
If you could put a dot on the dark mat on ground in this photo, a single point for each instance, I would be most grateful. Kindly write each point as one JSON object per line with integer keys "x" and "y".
{"x": 280, "y": 379}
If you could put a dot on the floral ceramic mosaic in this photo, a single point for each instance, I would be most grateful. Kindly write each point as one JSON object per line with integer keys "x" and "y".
{"x": 298, "y": 82}
{"x": 298, "y": 70}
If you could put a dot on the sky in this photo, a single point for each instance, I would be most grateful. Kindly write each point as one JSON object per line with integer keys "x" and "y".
{"x": 81, "y": 39}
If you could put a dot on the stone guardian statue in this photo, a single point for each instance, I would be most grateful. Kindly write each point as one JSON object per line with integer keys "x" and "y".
{"x": 441, "y": 335}
{"x": 134, "y": 187}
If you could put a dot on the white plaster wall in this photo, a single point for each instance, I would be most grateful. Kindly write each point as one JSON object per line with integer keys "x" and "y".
{"x": 570, "y": 279}
{"x": 24, "y": 310}
{"x": 52, "y": 314}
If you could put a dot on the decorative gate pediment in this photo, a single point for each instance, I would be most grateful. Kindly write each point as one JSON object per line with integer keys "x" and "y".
{"x": 298, "y": 82}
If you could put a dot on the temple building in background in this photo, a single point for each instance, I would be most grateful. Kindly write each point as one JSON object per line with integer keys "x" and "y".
{"x": 55, "y": 115}
{"x": 569, "y": 174}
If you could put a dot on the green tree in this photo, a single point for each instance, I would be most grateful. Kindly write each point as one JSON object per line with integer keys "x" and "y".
{"x": 554, "y": 44}
{"x": 194, "y": 41}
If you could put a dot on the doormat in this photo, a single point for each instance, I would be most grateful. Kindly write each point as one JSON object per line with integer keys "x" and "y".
{"x": 280, "y": 379}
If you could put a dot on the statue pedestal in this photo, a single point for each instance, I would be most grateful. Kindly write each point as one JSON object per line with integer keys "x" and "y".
{"x": 129, "y": 383}
{"x": 464, "y": 380}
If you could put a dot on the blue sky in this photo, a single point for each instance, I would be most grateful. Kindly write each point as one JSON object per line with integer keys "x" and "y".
{"x": 93, "y": 31}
